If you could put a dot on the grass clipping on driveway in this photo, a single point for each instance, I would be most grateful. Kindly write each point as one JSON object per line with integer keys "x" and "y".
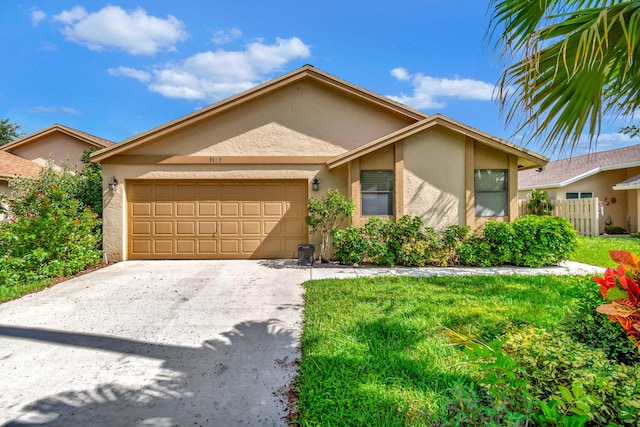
{"x": 374, "y": 351}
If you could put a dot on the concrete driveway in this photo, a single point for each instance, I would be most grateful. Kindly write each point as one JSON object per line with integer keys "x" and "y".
{"x": 154, "y": 343}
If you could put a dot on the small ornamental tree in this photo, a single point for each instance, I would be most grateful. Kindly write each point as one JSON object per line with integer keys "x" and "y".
{"x": 621, "y": 286}
{"x": 539, "y": 203}
{"x": 325, "y": 215}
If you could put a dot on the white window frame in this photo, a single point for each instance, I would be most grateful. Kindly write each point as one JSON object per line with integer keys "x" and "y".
{"x": 483, "y": 211}
{"x": 365, "y": 208}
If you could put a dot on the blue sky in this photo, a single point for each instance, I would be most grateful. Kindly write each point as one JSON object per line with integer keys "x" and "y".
{"x": 118, "y": 69}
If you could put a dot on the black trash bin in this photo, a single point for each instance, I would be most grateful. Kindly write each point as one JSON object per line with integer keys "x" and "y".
{"x": 306, "y": 254}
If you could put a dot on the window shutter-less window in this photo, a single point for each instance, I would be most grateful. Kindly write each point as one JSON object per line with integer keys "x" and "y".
{"x": 376, "y": 187}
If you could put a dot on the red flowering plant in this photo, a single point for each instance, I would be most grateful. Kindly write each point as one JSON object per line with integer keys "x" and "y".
{"x": 621, "y": 286}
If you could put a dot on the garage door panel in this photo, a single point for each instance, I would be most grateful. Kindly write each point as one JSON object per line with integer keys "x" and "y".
{"x": 273, "y": 208}
{"x": 251, "y": 228}
{"x": 163, "y": 228}
{"x": 186, "y": 247}
{"x": 250, "y": 246}
{"x": 141, "y": 228}
{"x": 163, "y": 247}
{"x": 165, "y": 192}
{"x": 207, "y": 209}
{"x": 141, "y": 247}
{"x": 186, "y": 191}
{"x": 186, "y": 228}
{"x": 208, "y": 247}
{"x": 228, "y": 246}
{"x": 163, "y": 209}
{"x": 215, "y": 219}
{"x": 229, "y": 209}
{"x": 185, "y": 209}
{"x": 251, "y": 209}
{"x": 141, "y": 209}
{"x": 293, "y": 227}
{"x": 207, "y": 228}
{"x": 229, "y": 228}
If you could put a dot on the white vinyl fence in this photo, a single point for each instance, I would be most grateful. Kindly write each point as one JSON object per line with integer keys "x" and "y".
{"x": 581, "y": 213}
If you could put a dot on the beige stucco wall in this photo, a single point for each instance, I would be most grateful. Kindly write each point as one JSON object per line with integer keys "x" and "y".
{"x": 57, "y": 146}
{"x": 299, "y": 119}
{"x": 601, "y": 185}
{"x": 434, "y": 186}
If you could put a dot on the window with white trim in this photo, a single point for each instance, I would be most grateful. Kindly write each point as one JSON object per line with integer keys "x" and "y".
{"x": 491, "y": 192}
{"x": 376, "y": 189}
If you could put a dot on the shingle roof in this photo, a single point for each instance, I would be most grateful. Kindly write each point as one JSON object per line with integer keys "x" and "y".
{"x": 559, "y": 173}
{"x": 12, "y": 165}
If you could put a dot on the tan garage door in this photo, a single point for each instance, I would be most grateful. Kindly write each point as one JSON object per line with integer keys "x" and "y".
{"x": 215, "y": 219}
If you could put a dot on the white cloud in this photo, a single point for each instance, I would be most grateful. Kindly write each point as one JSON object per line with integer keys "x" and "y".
{"x": 70, "y": 16}
{"x": 211, "y": 76}
{"x": 400, "y": 73}
{"x": 134, "y": 32}
{"x": 37, "y": 16}
{"x": 605, "y": 141}
{"x": 431, "y": 92}
{"x": 142, "y": 76}
{"x": 67, "y": 110}
{"x": 225, "y": 36}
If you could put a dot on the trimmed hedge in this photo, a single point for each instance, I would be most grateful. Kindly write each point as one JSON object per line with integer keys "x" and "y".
{"x": 531, "y": 241}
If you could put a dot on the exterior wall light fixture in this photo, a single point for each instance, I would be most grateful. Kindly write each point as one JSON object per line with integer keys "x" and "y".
{"x": 315, "y": 184}
{"x": 113, "y": 183}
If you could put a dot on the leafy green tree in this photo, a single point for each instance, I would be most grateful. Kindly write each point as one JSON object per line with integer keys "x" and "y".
{"x": 572, "y": 62}
{"x": 326, "y": 214}
{"x": 9, "y": 131}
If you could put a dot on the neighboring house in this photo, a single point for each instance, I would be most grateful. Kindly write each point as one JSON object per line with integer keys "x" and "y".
{"x": 12, "y": 166}
{"x": 232, "y": 180}
{"x": 58, "y": 143}
{"x": 612, "y": 176}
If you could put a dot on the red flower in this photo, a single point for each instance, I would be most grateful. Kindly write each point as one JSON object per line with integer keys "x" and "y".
{"x": 54, "y": 186}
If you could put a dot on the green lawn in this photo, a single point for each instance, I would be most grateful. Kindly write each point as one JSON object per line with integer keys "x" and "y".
{"x": 375, "y": 353}
{"x": 595, "y": 250}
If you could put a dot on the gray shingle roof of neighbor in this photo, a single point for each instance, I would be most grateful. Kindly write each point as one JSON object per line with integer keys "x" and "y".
{"x": 559, "y": 173}
{"x": 628, "y": 184}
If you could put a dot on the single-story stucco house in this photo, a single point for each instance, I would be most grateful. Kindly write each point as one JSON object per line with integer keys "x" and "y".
{"x": 613, "y": 176}
{"x": 232, "y": 180}
{"x": 57, "y": 143}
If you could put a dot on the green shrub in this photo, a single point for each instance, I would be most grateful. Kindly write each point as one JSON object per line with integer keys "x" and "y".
{"x": 49, "y": 233}
{"x": 551, "y": 361}
{"x": 350, "y": 245}
{"x": 534, "y": 377}
{"x": 378, "y": 234}
{"x": 475, "y": 251}
{"x": 584, "y": 324}
{"x": 542, "y": 240}
{"x": 614, "y": 229}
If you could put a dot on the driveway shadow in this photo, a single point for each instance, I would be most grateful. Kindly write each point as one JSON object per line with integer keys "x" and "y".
{"x": 226, "y": 381}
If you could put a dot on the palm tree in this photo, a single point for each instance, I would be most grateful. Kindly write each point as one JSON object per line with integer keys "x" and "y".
{"x": 572, "y": 63}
